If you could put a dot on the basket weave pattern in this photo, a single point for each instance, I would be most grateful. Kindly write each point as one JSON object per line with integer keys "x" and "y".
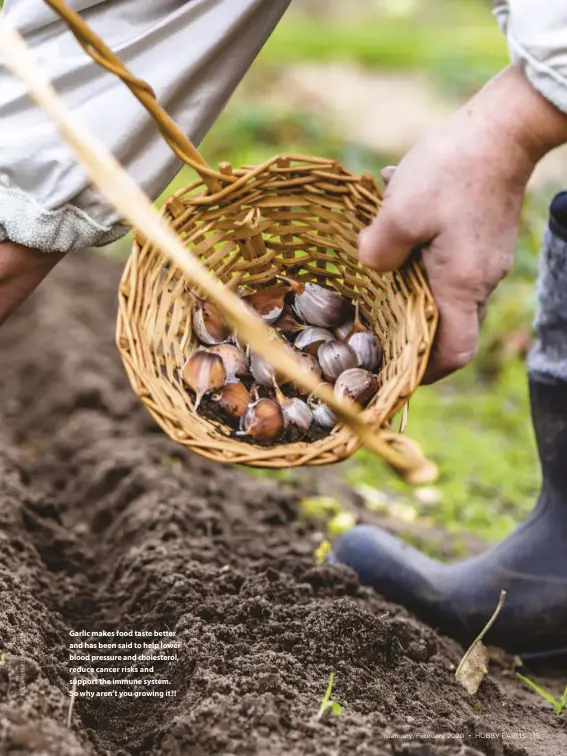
{"x": 296, "y": 216}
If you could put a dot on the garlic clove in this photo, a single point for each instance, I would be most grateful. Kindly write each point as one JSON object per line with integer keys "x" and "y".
{"x": 310, "y": 366}
{"x": 262, "y": 371}
{"x": 352, "y": 326}
{"x": 367, "y": 348}
{"x": 204, "y": 373}
{"x": 268, "y": 303}
{"x": 334, "y": 358}
{"x": 287, "y": 324}
{"x": 297, "y": 413}
{"x": 356, "y": 384}
{"x": 233, "y": 398}
{"x": 344, "y": 331}
{"x": 322, "y": 415}
{"x": 311, "y": 338}
{"x": 209, "y": 324}
{"x": 318, "y": 306}
{"x": 235, "y": 339}
{"x": 263, "y": 420}
{"x": 234, "y": 360}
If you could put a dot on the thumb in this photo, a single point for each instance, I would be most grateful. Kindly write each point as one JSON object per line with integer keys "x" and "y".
{"x": 387, "y": 173}
{"x": 390, "y": 239}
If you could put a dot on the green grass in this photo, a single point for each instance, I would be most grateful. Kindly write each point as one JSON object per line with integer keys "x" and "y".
{"x": 386, "y": 43}
{"x": 559, "y": 705}
{"x": 458, "y": 43}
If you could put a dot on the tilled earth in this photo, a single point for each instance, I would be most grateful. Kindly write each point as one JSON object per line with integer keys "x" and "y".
{"x": 105, "y": 524}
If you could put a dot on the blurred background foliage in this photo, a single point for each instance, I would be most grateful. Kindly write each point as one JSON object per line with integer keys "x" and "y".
{"x": 360, "y": 81}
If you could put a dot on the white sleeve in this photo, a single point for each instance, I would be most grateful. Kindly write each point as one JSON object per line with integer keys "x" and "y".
{"x": 536, "y": 31}
{"x": 193, "y": 54}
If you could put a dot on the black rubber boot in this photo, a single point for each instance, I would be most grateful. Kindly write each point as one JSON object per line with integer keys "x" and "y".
{"x": 531, "y": 564}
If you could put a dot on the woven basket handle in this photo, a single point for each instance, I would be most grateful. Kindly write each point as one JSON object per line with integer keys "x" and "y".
{"x": 179, "y": 142}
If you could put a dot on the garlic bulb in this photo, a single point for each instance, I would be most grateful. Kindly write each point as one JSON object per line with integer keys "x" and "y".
{"x": 356, "y": 384}
{"x": 269, "y": 302}
{"x": 263, "y": 420}
{"x": 209, "y": 324}
{"x": 234, "y": 360}
{"x": 204, "y": 373}
{"x": 233, "y": 398}
{"x": 310, "y": 339}
{"x": 318, "y": 306}
{"x": 367, "y": 348}
{"x": 334, "y": 358}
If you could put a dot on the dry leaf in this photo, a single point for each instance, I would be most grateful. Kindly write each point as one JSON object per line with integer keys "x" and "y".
{"x": 474, "y": 664}
{"x": 474, "y": 668}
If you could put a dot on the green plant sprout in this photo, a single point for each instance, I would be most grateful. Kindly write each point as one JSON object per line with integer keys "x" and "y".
{"x": 320, "y": 553}
{"x": 326, "y": 703}
{"x": 3, "y": 654}
{"x": 559, "y": 705}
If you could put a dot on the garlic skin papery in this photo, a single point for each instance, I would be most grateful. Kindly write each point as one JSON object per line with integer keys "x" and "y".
{"x": 334, "y": 358}
{"x": 367, "y": 348}
{"x": 263, "y": 420}
{"x": 204, "y": 373}
{"x": 208, "y": 324}
{"x": 356, "y": 384}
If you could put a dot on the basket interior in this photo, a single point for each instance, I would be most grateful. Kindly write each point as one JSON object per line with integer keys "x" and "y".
{"x": 302, "y": 222}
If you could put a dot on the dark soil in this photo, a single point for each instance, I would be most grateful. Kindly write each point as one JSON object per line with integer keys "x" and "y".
{"x": 106, "y": 524}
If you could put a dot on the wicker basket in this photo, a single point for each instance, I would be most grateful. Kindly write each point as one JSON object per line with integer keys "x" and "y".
{"x": 293, "y": 214}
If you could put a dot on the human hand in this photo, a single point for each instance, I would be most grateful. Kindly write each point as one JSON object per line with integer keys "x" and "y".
{"x": 457, "y": 196}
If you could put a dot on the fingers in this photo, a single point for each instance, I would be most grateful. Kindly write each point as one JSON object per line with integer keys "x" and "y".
{"x": 456, "y": 340}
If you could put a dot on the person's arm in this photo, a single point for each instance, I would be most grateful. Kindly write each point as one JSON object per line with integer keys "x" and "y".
{"x": 21, "y": 271}
{"x": 457, "y": 196}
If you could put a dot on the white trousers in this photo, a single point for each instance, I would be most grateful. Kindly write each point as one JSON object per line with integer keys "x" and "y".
{"x": 192, "y": 52}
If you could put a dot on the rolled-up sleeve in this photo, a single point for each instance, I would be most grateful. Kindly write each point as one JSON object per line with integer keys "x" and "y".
{"x": 192, "y": 52}
{"x": 536, "y": 31}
